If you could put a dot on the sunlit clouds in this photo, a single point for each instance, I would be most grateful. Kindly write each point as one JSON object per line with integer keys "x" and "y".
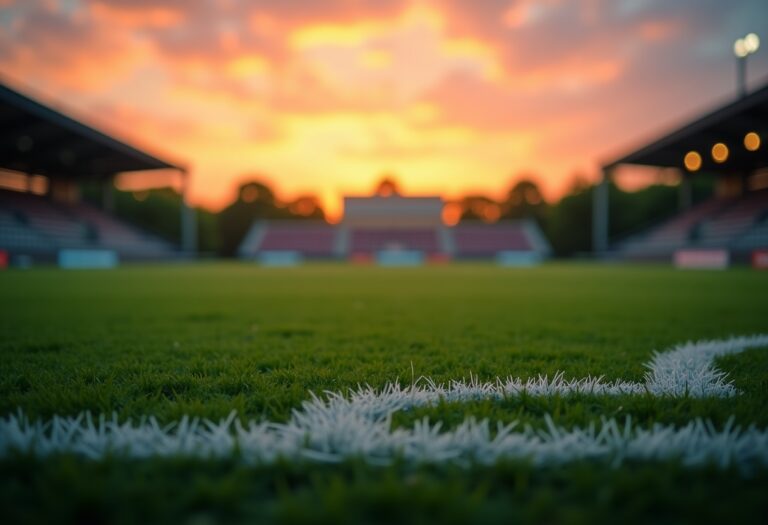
{"x": 324, "y": 97}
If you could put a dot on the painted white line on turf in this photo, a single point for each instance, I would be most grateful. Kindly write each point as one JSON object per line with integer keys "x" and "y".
{"x": 336, "y": 426}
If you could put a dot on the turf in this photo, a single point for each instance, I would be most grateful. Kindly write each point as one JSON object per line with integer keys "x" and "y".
{"x": 207, "y": 339}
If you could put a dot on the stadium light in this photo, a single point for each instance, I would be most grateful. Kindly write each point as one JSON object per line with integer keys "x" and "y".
{"x": 719, "y": 152}
{"x": 742, "y": 48}
{"x": 692, "y": 161}
{"x": 752, "y": 141}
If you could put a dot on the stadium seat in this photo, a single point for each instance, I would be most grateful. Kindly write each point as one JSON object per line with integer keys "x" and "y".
{"x": 310, "y": 239}
{"x": 34, "y": 225}
{"x": 483, "y": 240}
{"x": 376, "y": 240}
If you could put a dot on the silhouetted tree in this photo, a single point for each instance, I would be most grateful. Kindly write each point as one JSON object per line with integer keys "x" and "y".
{"x": 387, "y": 186}
{"x": 525, "y": 201}
{"x": 256, "y": 201}
{"x": 569, "y": 224}
{"x": 307, "y": 207}
{"x": 480, "y": 208}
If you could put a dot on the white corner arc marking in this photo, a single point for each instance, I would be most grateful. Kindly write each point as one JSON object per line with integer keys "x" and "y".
{"x": 337, "y": 426}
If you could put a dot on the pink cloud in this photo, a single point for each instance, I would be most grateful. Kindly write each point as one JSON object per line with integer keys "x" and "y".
{"x": 427, "y": 86}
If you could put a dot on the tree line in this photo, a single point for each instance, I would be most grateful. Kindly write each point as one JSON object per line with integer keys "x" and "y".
{"x": 567, "y": 223}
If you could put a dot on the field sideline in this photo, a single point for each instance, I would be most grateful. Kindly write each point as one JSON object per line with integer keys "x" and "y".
{"x": 206, "y": 339}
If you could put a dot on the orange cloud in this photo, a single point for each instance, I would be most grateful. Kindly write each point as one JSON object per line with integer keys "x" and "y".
{"x": 658, "y": 30}
{"x": 127, "y": 17}
{"x": 324, "y": 96}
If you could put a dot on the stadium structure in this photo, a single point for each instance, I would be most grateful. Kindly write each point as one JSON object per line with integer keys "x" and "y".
{"x": 728, "y": 143}
{"x": 45, "y": 156}
{"x": 394, "y": 230}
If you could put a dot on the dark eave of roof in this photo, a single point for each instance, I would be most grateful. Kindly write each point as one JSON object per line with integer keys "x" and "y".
{"x": 35, "y": 138}
{"x": 727, "y": 124}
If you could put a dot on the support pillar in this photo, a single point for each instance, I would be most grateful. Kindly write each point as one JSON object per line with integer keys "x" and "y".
{"x": 108, "y": 194}
{"x": 685, "y": 193}
{"x": 600, "y": 214}
{"x": 741, "y": 76}
{"x": 188, "y": 222}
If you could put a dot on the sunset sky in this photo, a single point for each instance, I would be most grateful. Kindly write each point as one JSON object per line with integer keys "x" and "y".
{"x": 325, "y": 96}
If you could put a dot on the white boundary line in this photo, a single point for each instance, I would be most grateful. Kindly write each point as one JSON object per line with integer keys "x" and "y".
{"x": 335, "y": 427}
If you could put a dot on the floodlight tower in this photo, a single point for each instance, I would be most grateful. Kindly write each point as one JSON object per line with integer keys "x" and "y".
{"x": 742, "y": 48}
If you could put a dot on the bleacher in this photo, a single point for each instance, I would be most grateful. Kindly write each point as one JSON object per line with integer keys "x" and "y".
{"x": 314, "y": 240}
{"x": 724, "y": 228}
{"x": 483, "y": 240}
{"x": 34, "y": 225}
{"x": 60, "y": 228}
{"x": 311, "y": 239}
{"x": 738, "y": 225}
{"x": 673, "y": 233}
{"x": 394, "y": 230}
{"x": 60, "y": 153}
{"x": 755, "y": 238}
{"x": 116, "y": 235}
{"x": 372, "y": 240}
{"x": 16, "y": 235}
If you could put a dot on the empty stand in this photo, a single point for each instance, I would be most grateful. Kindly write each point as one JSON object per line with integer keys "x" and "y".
{"x": 674, "y": 233}
{"x": 60, "y": 228}
{"x": 736, "y": 224}
{"x": 724, "y": 228}
{"x": 369, "y": 241}
{"x": 438, "y": 243}
{"x": 15, "y": 235}
{"x": 311, "y": 239}
{"x": 113, "y": 234}
{"x": 484, "y": 240}
{"x": 36, "y": 225}
{"x": 755, "y": 238}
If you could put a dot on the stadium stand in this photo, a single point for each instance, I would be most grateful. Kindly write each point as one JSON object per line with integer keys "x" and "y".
{"x": 738, "y": 225}
{"x": 756, "y": 238}
{"x": 734, "y": 221}
{"x": 392, "y": 230}
{"x": 38, "y": 226}
{"x": 371, "y": 241}
{"x": 311, "y": 239}
{"x": 16, "y": 236}
{"x": 125, "y": 239}
{"x": 485, "y": 240}
{"x": 42, "y": 143}
{"x": 47, "y": 219}
{"x": 671, "y": 234}
{"x": 724, "y": 228}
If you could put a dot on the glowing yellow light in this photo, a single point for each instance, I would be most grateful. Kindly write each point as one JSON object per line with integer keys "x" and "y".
{"x": 746, "y": 46}
{"x": 740, "y": 48}
{"x": 692, "y": 161}
{"x": 720, "y": 152}
{"x": 752, "y": 141}
{"x": 752, "y": 42}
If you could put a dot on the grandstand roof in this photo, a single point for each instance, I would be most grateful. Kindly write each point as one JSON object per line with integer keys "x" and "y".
{"x": 727, "y": 124}
{"x": 35, "y": 138}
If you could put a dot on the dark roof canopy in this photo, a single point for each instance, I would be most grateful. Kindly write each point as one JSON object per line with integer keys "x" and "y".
{"x": 35, "y": 138}
{"x": 727, "y": 124}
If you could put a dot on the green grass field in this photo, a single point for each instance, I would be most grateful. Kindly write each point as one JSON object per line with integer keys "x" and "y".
{"x": 207, "y": 339}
